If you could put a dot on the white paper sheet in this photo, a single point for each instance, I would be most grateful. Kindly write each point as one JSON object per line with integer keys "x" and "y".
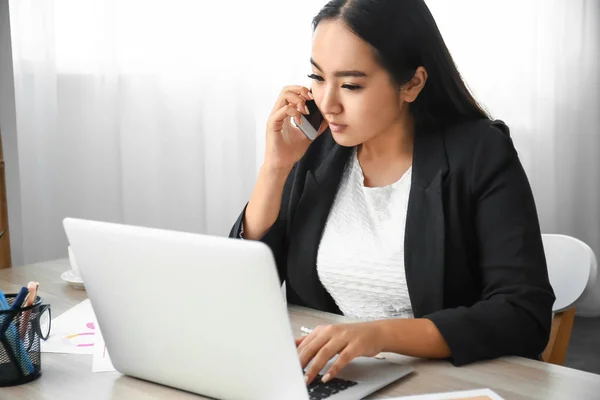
{"x": 478, "y": 394}
{"x": 73, "y": 332}
{"x": 101, "y": 361}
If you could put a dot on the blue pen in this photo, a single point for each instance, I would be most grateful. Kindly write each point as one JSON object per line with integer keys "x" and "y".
{"x": 5, "y": 319}
{"x": 15, "y": 305}
{"x": 12, "y": 336}
{"x": 3, "y": 302}
{"x": 20, "y": 298}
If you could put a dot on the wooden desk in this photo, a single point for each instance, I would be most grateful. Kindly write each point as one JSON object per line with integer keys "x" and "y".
{"x": 67, "y": 376}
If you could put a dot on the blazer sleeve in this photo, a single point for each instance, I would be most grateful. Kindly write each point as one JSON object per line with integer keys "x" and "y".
{"x": 514, "y": 314}
{"x": 276, "y": 235}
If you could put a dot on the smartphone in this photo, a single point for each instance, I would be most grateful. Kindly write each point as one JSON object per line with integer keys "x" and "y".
{"x": 311, "y": 122}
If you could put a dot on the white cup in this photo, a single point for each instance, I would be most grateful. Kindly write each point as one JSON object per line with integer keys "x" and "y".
{"x": 74, "y": 266}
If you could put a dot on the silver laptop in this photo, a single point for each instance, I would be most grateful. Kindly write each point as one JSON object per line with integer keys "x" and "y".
{"x": 203, "y": 314}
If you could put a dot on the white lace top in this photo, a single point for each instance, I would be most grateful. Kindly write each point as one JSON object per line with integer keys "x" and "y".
{"x": 361, "y": 255}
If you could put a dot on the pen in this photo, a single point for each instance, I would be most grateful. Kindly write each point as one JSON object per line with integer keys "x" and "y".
{"x": 32, "y": 288}
{"x": 19, "y": 299}
{"x": 17, "y": 303}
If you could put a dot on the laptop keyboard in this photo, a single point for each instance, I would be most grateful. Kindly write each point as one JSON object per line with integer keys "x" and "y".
{"x": 318, "y": 390}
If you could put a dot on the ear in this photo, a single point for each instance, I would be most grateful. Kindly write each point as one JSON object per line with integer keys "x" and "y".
{"x": 410, "y": 90}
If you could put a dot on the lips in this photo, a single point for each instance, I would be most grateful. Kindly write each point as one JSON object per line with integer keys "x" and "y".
{"x": 337, "y": 127}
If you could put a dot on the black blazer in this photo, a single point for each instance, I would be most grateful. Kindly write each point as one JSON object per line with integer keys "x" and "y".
{"x": 474, "y": 260}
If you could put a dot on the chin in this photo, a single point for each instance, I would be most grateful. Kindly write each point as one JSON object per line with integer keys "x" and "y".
{"x": 346, "y": 140}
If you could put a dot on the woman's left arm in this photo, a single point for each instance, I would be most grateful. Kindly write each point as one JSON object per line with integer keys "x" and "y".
{"x": 514, "y": 314}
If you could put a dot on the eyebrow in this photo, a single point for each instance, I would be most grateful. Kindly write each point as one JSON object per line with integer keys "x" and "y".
{"x": 340, "y": 74}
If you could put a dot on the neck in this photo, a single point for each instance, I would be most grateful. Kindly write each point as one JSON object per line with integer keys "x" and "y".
{"x": 394, "y": 143}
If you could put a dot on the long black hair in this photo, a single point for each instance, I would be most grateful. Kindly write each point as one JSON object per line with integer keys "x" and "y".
{"x": 404, "y": 36}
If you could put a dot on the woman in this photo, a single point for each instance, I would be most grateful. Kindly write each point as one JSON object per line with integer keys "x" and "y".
{"x": 411, "y": 211}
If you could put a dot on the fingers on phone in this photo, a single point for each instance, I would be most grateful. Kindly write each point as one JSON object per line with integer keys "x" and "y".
{"x": 287, "y": 111}
{"x": 293, "y": 112}
{"x": 299, "y": 95}
{"x": 298, "y": 102}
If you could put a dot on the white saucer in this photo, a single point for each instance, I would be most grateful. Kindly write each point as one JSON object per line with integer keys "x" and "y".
{"x": 70, "y": 277}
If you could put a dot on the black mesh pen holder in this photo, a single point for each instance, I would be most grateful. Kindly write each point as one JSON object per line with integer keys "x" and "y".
{"x": 20, "y": 333}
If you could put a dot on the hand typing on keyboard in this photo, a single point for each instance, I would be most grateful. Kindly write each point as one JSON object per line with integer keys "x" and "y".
{"x": 348, "y": 341}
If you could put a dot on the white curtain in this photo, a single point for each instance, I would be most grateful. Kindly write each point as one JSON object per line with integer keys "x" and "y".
{"x": 153, "y": 112}
{"x": 146, "y": 112}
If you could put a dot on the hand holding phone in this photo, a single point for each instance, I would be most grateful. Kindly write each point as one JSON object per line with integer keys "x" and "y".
{"x": 295, "y": 121}
{"x": 311, "y": 123}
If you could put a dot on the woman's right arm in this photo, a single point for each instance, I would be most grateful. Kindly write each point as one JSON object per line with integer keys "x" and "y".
{"x": 263, "y": 218}
{"x": 265, "y": 203}
{"x": 285, "y": 146}
{"x": 268, "y": 222}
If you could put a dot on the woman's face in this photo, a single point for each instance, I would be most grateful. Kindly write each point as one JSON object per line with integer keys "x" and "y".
{"x": 355, "y": 94}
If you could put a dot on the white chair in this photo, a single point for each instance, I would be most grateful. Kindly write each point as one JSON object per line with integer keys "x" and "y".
{"x": 571, "y": 264}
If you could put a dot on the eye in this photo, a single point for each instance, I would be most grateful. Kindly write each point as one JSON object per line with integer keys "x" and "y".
{"x": 316, "y": 77}
{"x": 352, "y": 87}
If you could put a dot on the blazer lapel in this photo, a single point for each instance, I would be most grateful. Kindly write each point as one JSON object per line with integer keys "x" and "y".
{"x": 424, "y": 249}
{"x": 311, "y": 214}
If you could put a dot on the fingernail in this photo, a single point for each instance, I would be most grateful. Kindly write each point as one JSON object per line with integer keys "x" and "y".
{"x": 306, "y": 109}
{"x": 326, "y": 378}
{"x": 311, "y": 96}
{"x": 306, "y": 379}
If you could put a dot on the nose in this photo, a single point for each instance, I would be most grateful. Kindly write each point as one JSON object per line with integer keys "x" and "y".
{"x": 330, "y": 103}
